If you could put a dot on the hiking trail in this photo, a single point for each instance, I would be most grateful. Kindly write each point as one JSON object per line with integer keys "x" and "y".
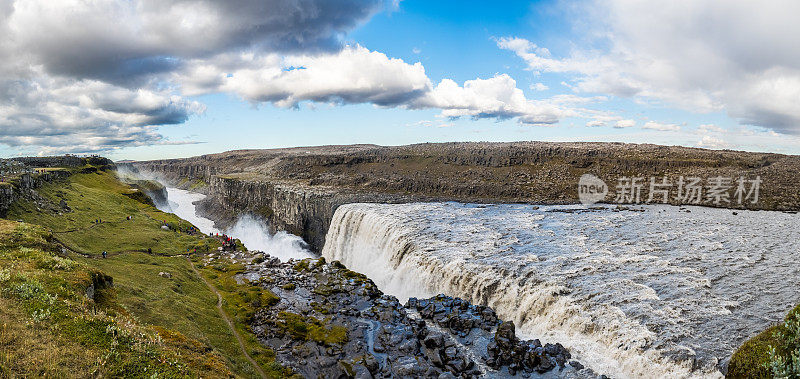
{"x": 227, "y": 319}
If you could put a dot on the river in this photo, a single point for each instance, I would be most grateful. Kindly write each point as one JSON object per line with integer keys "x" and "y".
{"x": 656, "y": 291}
{"x": 253, "y": 232}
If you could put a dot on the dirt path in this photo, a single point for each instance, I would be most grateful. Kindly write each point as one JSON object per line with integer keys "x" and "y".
{"x": 110, "y": 253}
{"x": 227, "y": 319}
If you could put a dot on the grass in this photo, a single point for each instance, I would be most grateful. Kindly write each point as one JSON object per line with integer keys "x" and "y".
{"x": 240, "y": 302}
{"x": 753, "y": 360}
{"x": 100, "y": 195}
{"x": 178, "y": 312}
{"x": 49, "y": 327}
{"x": 182, "y": 302}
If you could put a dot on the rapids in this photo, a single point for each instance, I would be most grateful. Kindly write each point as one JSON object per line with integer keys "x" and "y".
{"x": 657, "y": 291}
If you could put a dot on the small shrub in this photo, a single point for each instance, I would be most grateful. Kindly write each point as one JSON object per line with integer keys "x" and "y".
{"x": 40, "y": 314}
{"x": 336, "y": 334}
{"x": 55, "y": 263}
{"x": 302, "y": 266}
{"x": 5, "y": 275}
{"x": 28, "y": 290}
{"x": 784, "y": 359}
{"x": 310, "y": 329}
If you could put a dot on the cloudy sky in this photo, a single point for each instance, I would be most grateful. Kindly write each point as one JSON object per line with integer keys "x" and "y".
{"x": 144, "y": 79}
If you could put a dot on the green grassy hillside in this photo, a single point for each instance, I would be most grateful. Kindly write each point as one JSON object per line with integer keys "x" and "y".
{"x": 50, "y": 327}
{"x": 169, "y": 322}
{"x": 100, "y": 196}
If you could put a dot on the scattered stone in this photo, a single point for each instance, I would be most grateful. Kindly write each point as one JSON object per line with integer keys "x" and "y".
{"x": 332, "y": 322}
{"x": 164, "y": 274}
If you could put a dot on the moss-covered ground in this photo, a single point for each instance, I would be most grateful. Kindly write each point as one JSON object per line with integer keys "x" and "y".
{"x": 240, "y": 301}
{"x": 753, "y": 358}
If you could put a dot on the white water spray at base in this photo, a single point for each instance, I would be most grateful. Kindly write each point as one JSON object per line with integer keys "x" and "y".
{"x": 254, "y": 233}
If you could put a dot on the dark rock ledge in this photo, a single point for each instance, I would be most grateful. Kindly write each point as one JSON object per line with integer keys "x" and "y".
{"x": 328, "y": 321}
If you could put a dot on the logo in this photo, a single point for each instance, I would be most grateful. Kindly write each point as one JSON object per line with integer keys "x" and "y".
{"x": 591, "y": 189}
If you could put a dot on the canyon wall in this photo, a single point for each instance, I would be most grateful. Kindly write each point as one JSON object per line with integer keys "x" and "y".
{"x": 298, "y": 189}
{"x": 301, "y": 210}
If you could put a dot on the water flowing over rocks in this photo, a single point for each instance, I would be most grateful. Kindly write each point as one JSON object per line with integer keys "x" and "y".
{"x": 631, "y": 292}
{"x": 329, "y": 321}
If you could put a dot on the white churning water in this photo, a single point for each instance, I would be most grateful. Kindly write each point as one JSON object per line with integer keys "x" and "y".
{"x": 661, "y": 292}
{"x": 253, "y": 233}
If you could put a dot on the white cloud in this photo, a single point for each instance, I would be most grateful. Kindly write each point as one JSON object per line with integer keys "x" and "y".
{"x": 352, "y": 75}
{"x": 595, "y": 123}
{"x": 733, "y": 56}
{"x": 710, "y": 128}
{"x": 661, "y": 126}
{"x": 424, "y": 123}
{"x": 625, "y": 124}
{"x": 496, "y": 97}
{"x": 710, "y": 142}
{"x": 539, "y": 87}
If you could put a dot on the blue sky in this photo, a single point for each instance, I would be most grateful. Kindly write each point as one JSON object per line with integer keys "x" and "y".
{"x": 397, "y": 73}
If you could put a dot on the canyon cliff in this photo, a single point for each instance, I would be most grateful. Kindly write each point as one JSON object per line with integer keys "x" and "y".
{"x": 298, "y": 189}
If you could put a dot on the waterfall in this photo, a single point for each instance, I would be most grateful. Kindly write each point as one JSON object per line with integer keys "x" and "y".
{"x": 253, "y": 232}
{"x": 657, "y": 293}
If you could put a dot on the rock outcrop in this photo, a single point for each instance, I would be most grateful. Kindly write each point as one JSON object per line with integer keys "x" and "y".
{"x": 298, "y": 209}
{"x": 154, "y": 190}
{"x": 328, "y": 321}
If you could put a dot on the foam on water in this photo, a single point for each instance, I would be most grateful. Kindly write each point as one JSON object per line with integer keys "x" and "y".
{"x": 181, "y": 203}
{"x": 254, "y": 233}
{"x": 658, "y": 293}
